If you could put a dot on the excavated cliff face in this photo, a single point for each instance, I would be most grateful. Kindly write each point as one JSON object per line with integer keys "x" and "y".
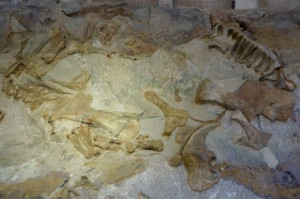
{"x": 101, "y": 101}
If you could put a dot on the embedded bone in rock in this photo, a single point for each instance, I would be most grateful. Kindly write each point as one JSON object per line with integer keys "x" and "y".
{"x": 122, "y": 125}
{"x": 104, "y": 142}
{"x": 174, "y": 117}
{"x": 130, "y": 147}
{"x": 184, "y": 132}
{"x": 232, "y": 41}
{"x": 114, "y": 171}
{"x": 146, "y": 143}
{"x": 68, "y": 76}
{"x": 55, "y": 44}
{"x": 177, "y": 96}
{"x": 34, "y": 187}
{"x": 252, "y": 98}
{"x": 134, "y": 39}
{"x": 209, "y": 92}
{"x": 34, "y": 45}
{"x": 77, "y": 83}
{"x": 264, "y": 181}
{"x": 139, "y": 44}
{"x": 32, "y": 91}
{"x": 199, "y": 161}
{"x": 84, "y": 181}
{"x": 1, "y": 115}
{"x": 141, "y": 195}
{"x": 256, "y": 139}
{"x": 107, "y": 31}
{"x": 82, "y": 141}
{"x": 263, "y": 98}
{"x": 182, "y": 137}
{"x": 15, "y": 69}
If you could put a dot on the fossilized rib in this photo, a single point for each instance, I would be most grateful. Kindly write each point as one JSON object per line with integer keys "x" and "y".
{"x": 232, "y": 41}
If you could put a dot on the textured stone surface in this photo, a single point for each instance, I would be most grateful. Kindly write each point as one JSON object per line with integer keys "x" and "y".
{"x": 81, "y": 68}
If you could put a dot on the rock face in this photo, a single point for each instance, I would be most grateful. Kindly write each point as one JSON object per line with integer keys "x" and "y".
{"x": 108, "y": 96}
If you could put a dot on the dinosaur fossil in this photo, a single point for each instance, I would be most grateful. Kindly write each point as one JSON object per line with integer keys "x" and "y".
{"x": 231, "y": 41}
{"x": 174, "y": 117}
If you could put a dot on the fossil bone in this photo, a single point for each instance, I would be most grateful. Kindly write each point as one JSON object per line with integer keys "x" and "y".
{"x": 32, "y": 91}
{"x": 144, "y": 142}
{"x": 147, "y": 143}
{"x": 114, "y": 171}
{"x": 174, "y": 117}
{"x": 15, "y": 69}
{"x": 55, "y": 44}
{"x": 252, "y": 98}
{"x": 122, "y": 125}
{"x": 177, "y": 96}
{"x": 82, "y": 141}
{"x": 256, "y": 139}
{"x": 35, "y": 187}
{"x": 141, "y": 195}
{"x": 263, "y": 98}
{"x": 1, "y": 115}
{"x": 184, "y": 135}
{"x": 265, "y": 180}
{"x": 106, "y": 143}
{"x": 199, "y": 161}
{"x": 208, "y": 91}
{"x": 232, "y": 41}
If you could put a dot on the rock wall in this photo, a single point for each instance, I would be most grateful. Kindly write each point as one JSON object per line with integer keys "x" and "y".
{"x": 278, "y": 4}
{"x": 205, "y": 4}
{"x": 243, "y": 4}
{"x": 139, "y": 3}
{"x": 273, "y": 4}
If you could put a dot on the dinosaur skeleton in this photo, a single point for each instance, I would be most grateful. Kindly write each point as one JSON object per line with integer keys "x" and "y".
{"x": 230, "y": 40}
